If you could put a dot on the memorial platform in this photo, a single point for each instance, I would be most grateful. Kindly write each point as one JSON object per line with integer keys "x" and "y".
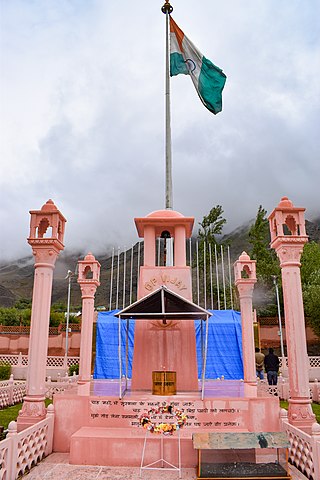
{"x": 98, "y": 428}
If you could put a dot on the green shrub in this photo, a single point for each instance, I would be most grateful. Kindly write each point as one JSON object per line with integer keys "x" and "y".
{"x": 5, "y": 371}
{"x": 73, "y": 368}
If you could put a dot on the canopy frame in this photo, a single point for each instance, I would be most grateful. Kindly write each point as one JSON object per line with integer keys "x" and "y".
{"x": 194, "y": 312}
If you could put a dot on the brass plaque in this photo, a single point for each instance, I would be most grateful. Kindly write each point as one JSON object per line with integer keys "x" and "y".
{"x": 163, "y": 383}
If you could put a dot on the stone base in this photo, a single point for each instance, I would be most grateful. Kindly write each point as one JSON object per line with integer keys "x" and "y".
{"x": 118, "y": 447}
{"x": 99, "y": 429}
{"x": 33, "y": 410}
{"x": 300, "y": 414}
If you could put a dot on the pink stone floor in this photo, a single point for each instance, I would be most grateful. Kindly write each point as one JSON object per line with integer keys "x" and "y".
{"x": 56, "y": 467}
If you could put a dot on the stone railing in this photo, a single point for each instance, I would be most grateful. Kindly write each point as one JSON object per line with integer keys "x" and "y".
{"x": 22, "y": 360}
{"x": 19, "y": 452}
{"x": 62, "y": 384}
{"x": 282, "y": 390}
{"x": 314, "y": 367}
{"x": 314, "y": 362}
{"x": 11, "y": 392}
{"x": 304, "y": 450}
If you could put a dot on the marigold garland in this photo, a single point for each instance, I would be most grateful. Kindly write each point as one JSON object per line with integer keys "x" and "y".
{"x": 164, "y": 428}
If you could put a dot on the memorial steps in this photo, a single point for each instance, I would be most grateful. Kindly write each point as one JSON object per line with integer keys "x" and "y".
{"x": 98, "y": 428}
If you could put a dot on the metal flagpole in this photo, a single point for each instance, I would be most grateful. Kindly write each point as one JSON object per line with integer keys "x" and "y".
{"x": 124, "y": 277}
{"x": 118, "y": 276}
{"x": 217, "y": 275}
{"x": 138, "y": 268}
{"x": 230, "y": 278}
{"x": 211, "y": 286}
{"x": 111, "y": 279}
{"x": 167, "y": 9}
{"x": 131, "y": 271}
{"x": 198, "y": 280}
{"x": 204, "y": 275}
{"x": 223, "y": 279}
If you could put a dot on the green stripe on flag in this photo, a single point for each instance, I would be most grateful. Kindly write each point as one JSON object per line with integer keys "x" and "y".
{"x": 177, "y": 64}
{"x": 211, "y": 83}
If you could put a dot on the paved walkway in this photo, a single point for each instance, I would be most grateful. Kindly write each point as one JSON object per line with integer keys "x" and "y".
{"x": 56, "y": 467}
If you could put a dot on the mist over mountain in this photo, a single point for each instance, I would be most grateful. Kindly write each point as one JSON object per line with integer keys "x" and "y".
{"x": 16, "y": 277}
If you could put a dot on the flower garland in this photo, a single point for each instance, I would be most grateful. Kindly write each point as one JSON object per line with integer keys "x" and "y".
{"x": 165, "y": 428}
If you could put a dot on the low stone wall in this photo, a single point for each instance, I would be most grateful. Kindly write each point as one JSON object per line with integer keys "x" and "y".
{"x": 20, "y": 372}
{"x": 14, "y": 343}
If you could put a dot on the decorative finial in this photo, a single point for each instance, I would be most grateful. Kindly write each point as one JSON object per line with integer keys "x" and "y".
{"x": 167, "y": 8}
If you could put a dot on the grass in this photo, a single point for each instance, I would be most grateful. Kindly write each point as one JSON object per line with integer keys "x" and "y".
{"x": 11, "y": 413}
{"x": 315, "y": 408}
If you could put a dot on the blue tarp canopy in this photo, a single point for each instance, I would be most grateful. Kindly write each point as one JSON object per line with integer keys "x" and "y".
{"x": 224, "y": 354}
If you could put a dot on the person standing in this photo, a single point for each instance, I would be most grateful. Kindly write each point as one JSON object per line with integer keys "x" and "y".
{"x": 259, "y": 363}
{"x": 271, "y": 363}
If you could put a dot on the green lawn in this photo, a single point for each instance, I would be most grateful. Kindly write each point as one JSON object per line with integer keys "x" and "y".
{"x": 10, "y": 413}
{"x": 315, "y": 408}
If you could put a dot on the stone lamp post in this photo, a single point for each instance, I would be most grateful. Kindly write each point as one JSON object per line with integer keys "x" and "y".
{"x": 46, "y": 239}
{"x": 288, "y": 236}
{"x": 245, "y": 278}
{"x": 88, "y": 279}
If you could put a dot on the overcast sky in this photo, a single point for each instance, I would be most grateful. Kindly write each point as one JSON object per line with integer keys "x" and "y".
{"x": 82, "y": 114}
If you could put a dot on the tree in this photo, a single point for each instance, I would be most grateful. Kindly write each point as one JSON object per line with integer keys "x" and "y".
{"x": 211, "y": 225}
{"x": 267, "y": 265}
{"x": 310, "y": 262}
{"x": 310, "y": 278}
{"x": 23, "y": 303}
{"x": 259, "y": 237}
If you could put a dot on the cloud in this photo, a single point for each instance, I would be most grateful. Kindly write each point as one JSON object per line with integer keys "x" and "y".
{"x": 82, "y": 115}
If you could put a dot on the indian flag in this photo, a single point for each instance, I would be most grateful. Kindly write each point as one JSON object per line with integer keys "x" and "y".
{"x": 185, "y": 58}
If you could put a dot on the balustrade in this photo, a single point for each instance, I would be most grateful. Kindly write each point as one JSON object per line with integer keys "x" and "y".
{"x": 304, "y": 450}
{"x": 19, "y": 452}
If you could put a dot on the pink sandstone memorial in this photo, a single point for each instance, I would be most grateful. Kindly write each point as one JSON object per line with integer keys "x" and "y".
{"x": 95, "y": 422}
{"x": 112, "y": 423}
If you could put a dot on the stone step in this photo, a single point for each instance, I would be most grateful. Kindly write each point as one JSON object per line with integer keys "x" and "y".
{"x": 123, "y": 447}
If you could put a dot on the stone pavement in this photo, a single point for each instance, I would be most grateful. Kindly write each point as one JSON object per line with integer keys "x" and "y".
{"x": 56, "y": 467}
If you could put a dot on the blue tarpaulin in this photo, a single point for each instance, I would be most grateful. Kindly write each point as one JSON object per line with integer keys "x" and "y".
{"x": 224, "y": 356}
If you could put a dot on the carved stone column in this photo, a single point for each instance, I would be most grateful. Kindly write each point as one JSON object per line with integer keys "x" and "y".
{"x": 88, "y": 278}
{"x": 46, "y": 237}
{"x": 245, "y": 278}
{"x": 288, "y": 236}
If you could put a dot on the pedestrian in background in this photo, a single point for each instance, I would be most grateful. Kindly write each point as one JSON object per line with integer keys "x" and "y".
{"x": 271, "y": 364}
{"x": 259, "y": 363}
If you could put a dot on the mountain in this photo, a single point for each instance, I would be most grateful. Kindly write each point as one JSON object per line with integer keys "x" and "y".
{"x": 16, "y": 277}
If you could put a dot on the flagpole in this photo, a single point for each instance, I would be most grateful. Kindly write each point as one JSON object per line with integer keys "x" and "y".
{"x": 167, "y": 9}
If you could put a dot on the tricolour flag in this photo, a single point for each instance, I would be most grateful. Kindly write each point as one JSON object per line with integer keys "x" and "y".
{"x": 185, "y": 58}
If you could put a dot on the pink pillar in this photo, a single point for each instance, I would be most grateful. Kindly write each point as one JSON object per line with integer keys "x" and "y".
{"x": 88, "y": 278}
{"x": 180, "y": 246}
{"x": 245, "y": 278}
{"x": 289, "y": 247}
{"x": 46, "y": 251}
{"x": 149, "y": 246}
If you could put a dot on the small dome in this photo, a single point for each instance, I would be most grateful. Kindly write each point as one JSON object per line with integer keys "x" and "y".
{"x": 165, "y": 213}
{"x": 89, "y": 258}
{"x": 244, "y": 257}
{"x": 285, "y": 203}
{"x": 48, "y": 206}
